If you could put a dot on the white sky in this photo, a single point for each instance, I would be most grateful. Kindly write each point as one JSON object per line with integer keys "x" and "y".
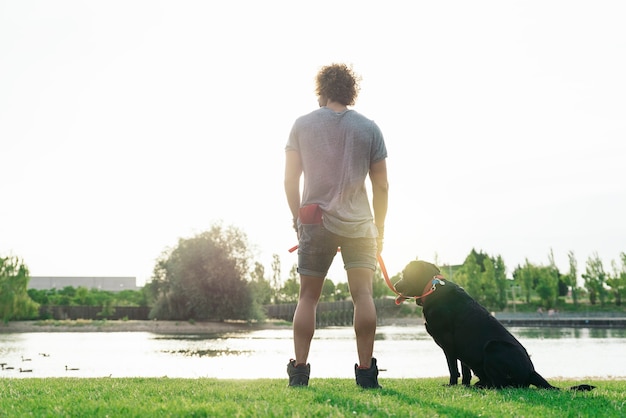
{"x": 126, "y": 125}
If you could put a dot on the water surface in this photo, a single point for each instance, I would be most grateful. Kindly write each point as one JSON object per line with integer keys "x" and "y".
{"x": 403, "y": 351}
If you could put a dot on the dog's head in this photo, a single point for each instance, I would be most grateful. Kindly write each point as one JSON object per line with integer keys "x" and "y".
{"x": 415, "y": 276}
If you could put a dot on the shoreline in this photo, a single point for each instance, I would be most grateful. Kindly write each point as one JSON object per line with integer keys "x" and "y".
{"x": 214, "y": 327}
{"x": 157, "y": 327}
{"x": 164, "y": 326}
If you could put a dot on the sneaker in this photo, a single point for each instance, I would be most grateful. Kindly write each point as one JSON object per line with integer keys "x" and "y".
{"x": 367, "y": 378}
{"x": 298, "y": 376}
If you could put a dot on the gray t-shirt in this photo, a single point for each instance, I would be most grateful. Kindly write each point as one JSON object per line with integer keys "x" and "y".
{"x": 337, "y": 150}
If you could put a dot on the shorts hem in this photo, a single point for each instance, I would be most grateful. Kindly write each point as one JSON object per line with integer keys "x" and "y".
{"x": 305, "y": 272}
{"x": 360, "y": 265}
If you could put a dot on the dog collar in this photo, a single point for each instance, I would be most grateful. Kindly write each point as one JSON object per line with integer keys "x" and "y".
{"x": 432, "y": 286}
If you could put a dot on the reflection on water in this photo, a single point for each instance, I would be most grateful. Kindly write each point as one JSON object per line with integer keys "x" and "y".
{"x": 551, "y": 332}
{"x": 203, "y": 353}
{"x": 403, "y": 351}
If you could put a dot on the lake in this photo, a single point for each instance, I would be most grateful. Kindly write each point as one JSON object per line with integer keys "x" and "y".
{"x": 403, "y": 351}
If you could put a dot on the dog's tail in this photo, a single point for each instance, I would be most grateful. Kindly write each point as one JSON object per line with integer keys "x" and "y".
{"x": 582, "y": 388}
{"x": 537, "y": 380}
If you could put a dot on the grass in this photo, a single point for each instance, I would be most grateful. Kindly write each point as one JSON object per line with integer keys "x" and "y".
{"x": 164, "y": 397}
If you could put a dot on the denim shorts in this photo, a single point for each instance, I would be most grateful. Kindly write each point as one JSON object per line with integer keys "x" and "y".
{"x": 318, "y": 246}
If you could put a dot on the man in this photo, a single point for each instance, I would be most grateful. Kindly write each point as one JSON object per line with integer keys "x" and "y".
{"x": 336, "y": 148}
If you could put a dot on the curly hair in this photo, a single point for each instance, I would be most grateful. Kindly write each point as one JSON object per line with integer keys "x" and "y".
{"x": 339, "y": 83}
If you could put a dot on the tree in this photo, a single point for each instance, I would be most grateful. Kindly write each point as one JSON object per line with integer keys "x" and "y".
{"x": 260, "y": 287}
{"x": 290, "y": 290}
{"x": 65, "y": 296}
{"x": 204, "y": 277}
{"x": 484, "y": 278}
{"x": 83, "y": 296}
{"x": 595, "y": 278}
{"x": 561, "y": 285}
{"x": 501, "y": 281}
{"x": 380, "y": 288}
{"x": 342, "y": 291}
{"x": 488, "y": 286}
{"x": 275, "y": 277}
{"x": 89, "y": 297}
{"x": 328, "y": 291}
{"x": 131, "y": 297}
{"x": 617, "y": 282}
{"x": 15, "y": 303}
{"x": 39, "y": 296}
{"x": 468, "y": 275}
{"x": 524, "y": 275}
{"x": 547, "y": 285}
{"x": 571, "y": 277}
{"x": 543, "y": 279}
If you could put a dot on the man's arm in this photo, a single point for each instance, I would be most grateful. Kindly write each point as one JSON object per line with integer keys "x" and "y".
{"x": 293, "y": 172}
{"x": 380, "y": 195}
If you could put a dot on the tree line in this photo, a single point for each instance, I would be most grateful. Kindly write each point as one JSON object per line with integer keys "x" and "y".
{"x": 484, "y": 277}
{"x": 210, "y": 276}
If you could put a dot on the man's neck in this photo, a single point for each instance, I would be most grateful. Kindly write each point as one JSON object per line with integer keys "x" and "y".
{"x": 336, "y": 106}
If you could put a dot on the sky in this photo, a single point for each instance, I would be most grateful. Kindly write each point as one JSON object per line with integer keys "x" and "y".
{"x": 128, "y": 125}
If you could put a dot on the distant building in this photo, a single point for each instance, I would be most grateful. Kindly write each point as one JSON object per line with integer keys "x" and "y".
{"x": 111, "y": 284}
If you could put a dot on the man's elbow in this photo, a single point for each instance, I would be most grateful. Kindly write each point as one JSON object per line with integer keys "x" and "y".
{"x": 381, "y": 187}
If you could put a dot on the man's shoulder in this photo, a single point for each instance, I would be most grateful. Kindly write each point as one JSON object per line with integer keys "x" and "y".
{"x": 360, "y": 117}
{"x": 313, "y": 113}
{"x": 350, "y": 116}
{"x": 308, "y": 117}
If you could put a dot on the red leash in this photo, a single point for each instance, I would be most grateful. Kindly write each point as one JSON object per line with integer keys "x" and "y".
{"x": 390, "y": 285}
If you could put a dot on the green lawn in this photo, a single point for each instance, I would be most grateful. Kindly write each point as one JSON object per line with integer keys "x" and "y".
{"x": 164, "y": 397}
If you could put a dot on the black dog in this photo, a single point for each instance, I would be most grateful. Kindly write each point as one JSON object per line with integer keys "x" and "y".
{"x": 467, "y": 332}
